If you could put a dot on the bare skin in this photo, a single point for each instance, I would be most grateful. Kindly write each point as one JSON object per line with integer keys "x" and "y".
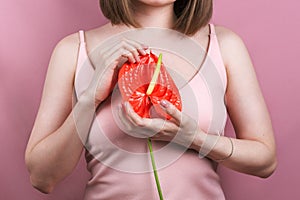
{"x": 54, "y": 147}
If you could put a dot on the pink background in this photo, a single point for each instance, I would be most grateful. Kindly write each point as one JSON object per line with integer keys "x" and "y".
{"x": 30, "y": 29}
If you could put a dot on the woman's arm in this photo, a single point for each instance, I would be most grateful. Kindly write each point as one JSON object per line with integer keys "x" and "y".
{"x": 54, "y": 147}
{"x": 255, "y": 144}
{"x": 254, "y": 147}
{"x": 253, "y": 150}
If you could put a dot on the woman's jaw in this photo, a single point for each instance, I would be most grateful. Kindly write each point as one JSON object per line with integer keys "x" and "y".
{"x": 154, "y": 13}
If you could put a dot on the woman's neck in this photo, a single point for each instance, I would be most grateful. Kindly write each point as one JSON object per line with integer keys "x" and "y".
{"x": 155, "y": 16}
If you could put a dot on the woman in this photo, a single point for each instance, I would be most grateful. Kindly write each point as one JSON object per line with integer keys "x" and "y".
{"x": 55, "y": 130}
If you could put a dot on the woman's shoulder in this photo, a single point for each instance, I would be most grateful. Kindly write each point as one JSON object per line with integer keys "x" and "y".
{"x": 67, "y": 46}
{"x": 67, "y": 43}
{"x": 73, "y": 40}
{"x": 227, "y": 36}
{"x": 230, "y": 42}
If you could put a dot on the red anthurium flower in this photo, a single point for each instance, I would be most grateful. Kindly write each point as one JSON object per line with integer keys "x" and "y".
{"x": 134, "y": 79}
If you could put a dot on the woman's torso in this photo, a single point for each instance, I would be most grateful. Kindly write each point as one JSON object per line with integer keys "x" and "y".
{"x": 119, "y": 163}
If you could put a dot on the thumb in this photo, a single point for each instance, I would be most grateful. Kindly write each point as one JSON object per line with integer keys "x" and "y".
{"x": 171, "y": 110}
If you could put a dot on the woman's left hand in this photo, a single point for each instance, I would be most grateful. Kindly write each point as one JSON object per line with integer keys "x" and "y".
{"x": 181, "y": 129}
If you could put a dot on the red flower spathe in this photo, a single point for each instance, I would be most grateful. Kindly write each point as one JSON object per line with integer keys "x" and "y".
{"x": 134, "y": 79}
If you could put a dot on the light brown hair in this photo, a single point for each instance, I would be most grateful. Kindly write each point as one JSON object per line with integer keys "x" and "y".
{"x": 191, "y": 14}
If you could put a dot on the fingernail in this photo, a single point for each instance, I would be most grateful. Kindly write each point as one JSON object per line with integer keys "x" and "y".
{"x": 164, "y": 103}
{"x": 128, "y": 106}
{"x": 145, "y": 46}
{"x": 125, "y": 104}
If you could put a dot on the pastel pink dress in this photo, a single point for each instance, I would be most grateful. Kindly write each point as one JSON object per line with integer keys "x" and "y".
{"x": 118, "y": 163}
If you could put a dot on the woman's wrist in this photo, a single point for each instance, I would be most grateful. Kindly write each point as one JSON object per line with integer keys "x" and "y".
{"x": 198, "y": 140}
{"x": 207, "y": 146}
{"x": 229, "y": 155}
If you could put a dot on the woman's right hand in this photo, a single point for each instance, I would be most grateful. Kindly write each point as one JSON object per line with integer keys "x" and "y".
{"x": 107, "y": 67}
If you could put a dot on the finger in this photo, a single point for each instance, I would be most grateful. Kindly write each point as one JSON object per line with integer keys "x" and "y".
{"x": 140, "y": 47}
{"x": 169, "y": 129}
{"x": 133, "y": 51}
{"x": 171, "y": 110}
{"x": 117, "y": 54}
{"x": 133, "y": 116}
{"x": 126, "y": 48}
{"x": 125, "y": 121}
{"x": 127, "y": 112}
{"x": 132, "y": 47}
{"x": 127, "y": 54}
{"x": 122, "y": 49}
{"x": 153, "y": 126}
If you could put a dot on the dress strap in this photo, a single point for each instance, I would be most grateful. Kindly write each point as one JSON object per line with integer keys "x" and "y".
{"x": 84, "y": 68}
{"x": 212, "y": 30}
{"x": 215, "y": 53}
{"x": 81, "y": 36}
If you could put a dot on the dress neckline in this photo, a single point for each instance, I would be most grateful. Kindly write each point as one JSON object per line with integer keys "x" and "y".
{"x": 207, "y": 52}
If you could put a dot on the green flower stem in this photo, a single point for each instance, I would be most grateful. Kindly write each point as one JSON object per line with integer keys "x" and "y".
{"x": 154, "y": 170}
